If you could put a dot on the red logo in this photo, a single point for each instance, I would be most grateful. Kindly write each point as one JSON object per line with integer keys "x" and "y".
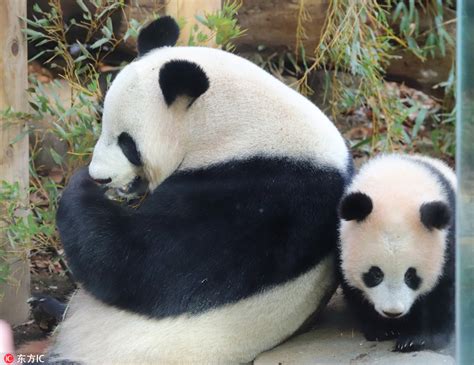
{"x": 9, "y": 358}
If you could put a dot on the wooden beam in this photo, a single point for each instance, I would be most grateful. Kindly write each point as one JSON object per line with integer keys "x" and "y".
{"x": 14, "y": 156}
{"x": 273, "y": 23}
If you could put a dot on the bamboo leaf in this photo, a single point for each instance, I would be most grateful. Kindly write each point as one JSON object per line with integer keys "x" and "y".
{"x": 83, "y": 6}
{"x": 420, "y": 118}
{"x": 99, "y": 43}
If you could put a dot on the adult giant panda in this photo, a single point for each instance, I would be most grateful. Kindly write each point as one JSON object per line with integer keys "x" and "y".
{"x": 233, "y": 249}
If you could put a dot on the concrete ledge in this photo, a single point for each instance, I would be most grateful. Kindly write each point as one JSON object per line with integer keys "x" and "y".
{"x": 336, "y": 341}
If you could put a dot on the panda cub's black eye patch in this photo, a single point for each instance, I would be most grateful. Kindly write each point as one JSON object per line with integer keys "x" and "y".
{"x": 412, "y": 279}
{"x": 129, "y": 148}
{"x": 373, "y": 277}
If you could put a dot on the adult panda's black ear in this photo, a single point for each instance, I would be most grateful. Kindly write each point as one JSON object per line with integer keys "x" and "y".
{"x": 355, "y": 206}
{"x": 436, "y": 214}
{"x": 161, "y": 32}
{"x": 182, "y": 78}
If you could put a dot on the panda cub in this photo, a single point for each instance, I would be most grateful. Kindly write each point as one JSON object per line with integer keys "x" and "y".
{"x": 397, "y": 250}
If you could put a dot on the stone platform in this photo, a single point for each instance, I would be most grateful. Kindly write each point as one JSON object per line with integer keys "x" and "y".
{"x": 335, "y": 340}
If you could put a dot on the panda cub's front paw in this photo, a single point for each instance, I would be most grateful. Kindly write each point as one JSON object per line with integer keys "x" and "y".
{"x": 410, "y": 343}
{"x": 379, "y": 334}
{"x": 433, "y": 341}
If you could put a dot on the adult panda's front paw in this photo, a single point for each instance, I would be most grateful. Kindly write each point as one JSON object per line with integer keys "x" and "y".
{"x": 79, "y": 188}
{"x": 81, "y": 184}
{"x": 80, "y": 178}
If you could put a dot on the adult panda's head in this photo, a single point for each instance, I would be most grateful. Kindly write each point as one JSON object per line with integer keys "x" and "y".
{"x": 395, "y": 219}
{"x": 181, "y": 108}
{"x": 141, "y": 133}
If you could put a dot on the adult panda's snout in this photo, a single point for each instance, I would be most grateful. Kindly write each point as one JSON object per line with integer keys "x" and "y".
{"x": 98, "y": 174}
{"x": 109, "y": 166}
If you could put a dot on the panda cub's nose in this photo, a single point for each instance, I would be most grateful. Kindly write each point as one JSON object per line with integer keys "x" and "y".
{"x": 392, "y": 314}
{"x": 103, "y": 181}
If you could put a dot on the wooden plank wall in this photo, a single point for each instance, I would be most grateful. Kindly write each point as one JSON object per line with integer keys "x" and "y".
{"x": 14, "y": 156}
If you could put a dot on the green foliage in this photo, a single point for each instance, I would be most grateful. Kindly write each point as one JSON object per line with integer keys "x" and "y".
{"x": 77, "y": 123}
{"x": 78, "y": 62}
{"x": 222, "y": 25}
{"x": 443, "y": 136}
{"x": 17, "y": 226}
{"x": 360, "y": 39}
{"x": 4, "y": 267}
{"x": 353, "y": 43}
{"x": 428, "y": 42}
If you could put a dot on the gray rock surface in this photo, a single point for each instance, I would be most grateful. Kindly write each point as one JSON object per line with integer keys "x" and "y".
{"x": 335, "y": 340}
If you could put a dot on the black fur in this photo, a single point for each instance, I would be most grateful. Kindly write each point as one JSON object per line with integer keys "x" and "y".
{"x": 412, "y": 279}
{"x": 161, "y": 32}
{"x": 373, "y": 277}
{"x": 435, "y": 215}
{"x": 355, "y": 206}
{"x": 430, "y": 322}
{"x": 129, "y": 148}
{"x": 181, "y": 77}
{"x": 204, "y": 237}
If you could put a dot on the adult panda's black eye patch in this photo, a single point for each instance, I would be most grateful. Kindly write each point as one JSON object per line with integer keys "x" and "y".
{"x": 412, "y": 279}
{"x": 373, "y": 277}
{"x": 129, "y": 148}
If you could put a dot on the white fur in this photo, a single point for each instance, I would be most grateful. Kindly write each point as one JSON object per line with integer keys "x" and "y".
{"x": 441, "y": 166}
{"x": 245, "y": 112}
{"x": 393, "y": 236}
{"x": 97, "y": 334}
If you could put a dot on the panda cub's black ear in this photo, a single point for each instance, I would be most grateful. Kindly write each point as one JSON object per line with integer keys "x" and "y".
{"x": 435, "y": 214}
{"x": 355, "y": 206}
{"x": 182, "y": 78}
{"x": 161, "y": 32}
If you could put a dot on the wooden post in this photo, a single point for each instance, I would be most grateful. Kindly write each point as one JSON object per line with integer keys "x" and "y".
{"x": 187, "y": 9}
{"x": 14, "y": 156}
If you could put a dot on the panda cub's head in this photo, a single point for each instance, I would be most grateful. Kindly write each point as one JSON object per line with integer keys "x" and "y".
{"x": 395, "y": 219}
{"x": 141, "y": 133}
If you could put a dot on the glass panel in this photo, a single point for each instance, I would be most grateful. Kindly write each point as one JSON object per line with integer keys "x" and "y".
{"x": 465, "y": 171}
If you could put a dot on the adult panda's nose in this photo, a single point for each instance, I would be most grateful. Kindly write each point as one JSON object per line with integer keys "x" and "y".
{"x": 103, "y": 181}
{"x": 392, "y": 314}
